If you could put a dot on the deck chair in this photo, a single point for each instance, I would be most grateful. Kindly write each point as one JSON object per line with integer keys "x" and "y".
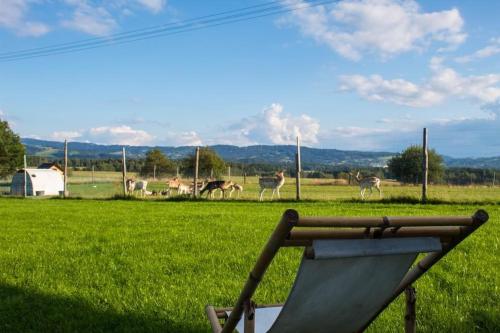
{"x": 352, "y": 268}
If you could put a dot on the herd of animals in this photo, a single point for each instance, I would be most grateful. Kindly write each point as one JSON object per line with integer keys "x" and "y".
{"x": 227, "y": 187}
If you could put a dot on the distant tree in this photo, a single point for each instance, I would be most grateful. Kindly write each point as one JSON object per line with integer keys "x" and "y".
{"x": 11, "y": 150}
{"x": 407, "y": 166}
{"x": 209, "y": 162}
{"x": 156, "y": 159}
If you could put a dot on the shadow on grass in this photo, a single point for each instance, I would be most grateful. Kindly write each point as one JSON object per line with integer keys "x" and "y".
{"x": 181, "y": 198}
{"x": 483, "y": 321}
{"x": 24, "y": 310}
{"x": 417, "y": 201}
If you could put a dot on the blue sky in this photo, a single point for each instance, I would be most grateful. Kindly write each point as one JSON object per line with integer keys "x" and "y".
{"x": 356, "y": 74}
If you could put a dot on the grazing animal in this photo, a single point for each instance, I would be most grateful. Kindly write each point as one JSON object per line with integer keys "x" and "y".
{"x": 368, "y": 183}
{"x": 212, "y": 186}
{"x": 130, "y": 186}
{"x": 238, "y": 189}
{"x": 199, "y": 186}
{"x": 273, "y": 183}
{"x": 184, "y": 189}
{"x": 133, "y": 185}
{"x": 175, "y": 183}
{"x": 141, "y": 186}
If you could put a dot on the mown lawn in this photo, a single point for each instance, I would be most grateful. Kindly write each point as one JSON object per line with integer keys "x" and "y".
{"x": 147, "y": 266}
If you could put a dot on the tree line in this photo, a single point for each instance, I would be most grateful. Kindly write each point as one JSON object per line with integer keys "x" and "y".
{"x": 405, "y": 167}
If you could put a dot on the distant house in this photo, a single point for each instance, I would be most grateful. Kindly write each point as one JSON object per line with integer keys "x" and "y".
{"x": 39, "y": 182}
{"x": 53, "y": 166}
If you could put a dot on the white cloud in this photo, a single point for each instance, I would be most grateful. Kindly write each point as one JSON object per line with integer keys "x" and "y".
{"x": 490, "y": 50}
{"x": 188, "y": 138}
{"x": 122, "y": 135}
{"x": 65, "y": 135}
{"x": 445, "y": 82}
{"x": 12, "y": 120}
{"x": 354, "y": 131}
{"x": 92, "y": 17}
{"x": 272, "y": 126}
{"x": 13, "y": 16}
{"x": 384, "y": 27}
{"x": 34, "y": 29}
{"x": 154, "y": 5}
{"x": 92, "y": 20}
{"x": 398, "y": 91}
{"x": 460, "y": 137}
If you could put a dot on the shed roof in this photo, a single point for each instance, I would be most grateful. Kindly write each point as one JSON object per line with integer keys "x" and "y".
{"x": 50, "y": 165}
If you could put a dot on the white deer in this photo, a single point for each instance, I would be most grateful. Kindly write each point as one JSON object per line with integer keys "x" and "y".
{"x": 273, "y": 183}
{"x": 236, "y": 187}
{"x": 368, "y": 183}
{"x": 175, "y": 183}
{"x": 140, "y": 186}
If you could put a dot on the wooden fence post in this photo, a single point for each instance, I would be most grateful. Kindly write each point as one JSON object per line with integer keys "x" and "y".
{"x": 229, "y": 172}
{"x": 177, "y": 172}
{"x": 196, "y": 164}
{"x": 425, "y": 167}
{"x": 65, "y": 194}
{"x": 493, "y": 178}
{"x": 154, "y": 171}
{"x": 92, "y": 174}
{"x": 410, "y": 315}
{"x": 25, "y": 178}
{"x": 124, "y": 172}
{"x": 297, "y": 170}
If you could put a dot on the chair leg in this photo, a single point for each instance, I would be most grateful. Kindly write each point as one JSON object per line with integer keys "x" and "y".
{"x": 410, "y": 315}
{"x": 249, "y": 314}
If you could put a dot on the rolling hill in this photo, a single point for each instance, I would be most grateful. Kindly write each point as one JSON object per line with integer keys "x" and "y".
{"x": 271, "y": 154}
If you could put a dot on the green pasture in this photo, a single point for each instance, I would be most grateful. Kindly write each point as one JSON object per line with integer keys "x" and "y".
{"x": 312, "y": 189}
{"x": 151, "y": 266}
{"x": 107, "y": 184}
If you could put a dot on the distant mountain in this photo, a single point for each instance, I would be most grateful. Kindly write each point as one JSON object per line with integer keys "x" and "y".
{"x": 469, "y": 162}
{"x": 278, "y": 154}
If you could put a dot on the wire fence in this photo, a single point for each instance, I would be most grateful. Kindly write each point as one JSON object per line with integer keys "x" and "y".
{"x": 104, "y": 178}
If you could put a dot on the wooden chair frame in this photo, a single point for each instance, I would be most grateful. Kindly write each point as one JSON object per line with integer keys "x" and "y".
{"x": 295, "y": 231}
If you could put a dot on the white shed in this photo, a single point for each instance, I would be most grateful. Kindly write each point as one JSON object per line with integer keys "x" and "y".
{"x": 38, "y": 182}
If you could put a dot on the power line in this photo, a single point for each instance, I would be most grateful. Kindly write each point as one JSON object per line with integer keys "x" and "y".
{"x": 195, "y": 24}
{"x": 112, "y": 36}
{"x": 203, "y": 22}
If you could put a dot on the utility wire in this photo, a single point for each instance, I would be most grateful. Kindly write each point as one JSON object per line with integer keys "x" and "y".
{"x": 127, "y": 37}
{"x": 207, "y": 21}
{"x": 110, "y": 37}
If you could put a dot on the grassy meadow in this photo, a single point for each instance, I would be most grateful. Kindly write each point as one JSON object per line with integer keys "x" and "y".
{"x": 148, "y": 266}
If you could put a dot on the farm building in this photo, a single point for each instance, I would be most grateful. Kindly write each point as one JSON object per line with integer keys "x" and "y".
{"x": 38, "y": 182}
{"x": 53, "y": 166}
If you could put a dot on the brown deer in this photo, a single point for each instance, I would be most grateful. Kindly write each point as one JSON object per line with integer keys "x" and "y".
{"x": 368, "y": 183}
{"x": 274, "y": 183}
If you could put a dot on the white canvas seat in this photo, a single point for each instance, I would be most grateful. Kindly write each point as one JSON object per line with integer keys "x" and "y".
{"x": 346, "y": 282}
{"x": 346, "y": 277}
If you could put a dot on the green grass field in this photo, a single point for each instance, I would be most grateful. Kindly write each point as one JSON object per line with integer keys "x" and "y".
{"x": 147, "y": 266}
